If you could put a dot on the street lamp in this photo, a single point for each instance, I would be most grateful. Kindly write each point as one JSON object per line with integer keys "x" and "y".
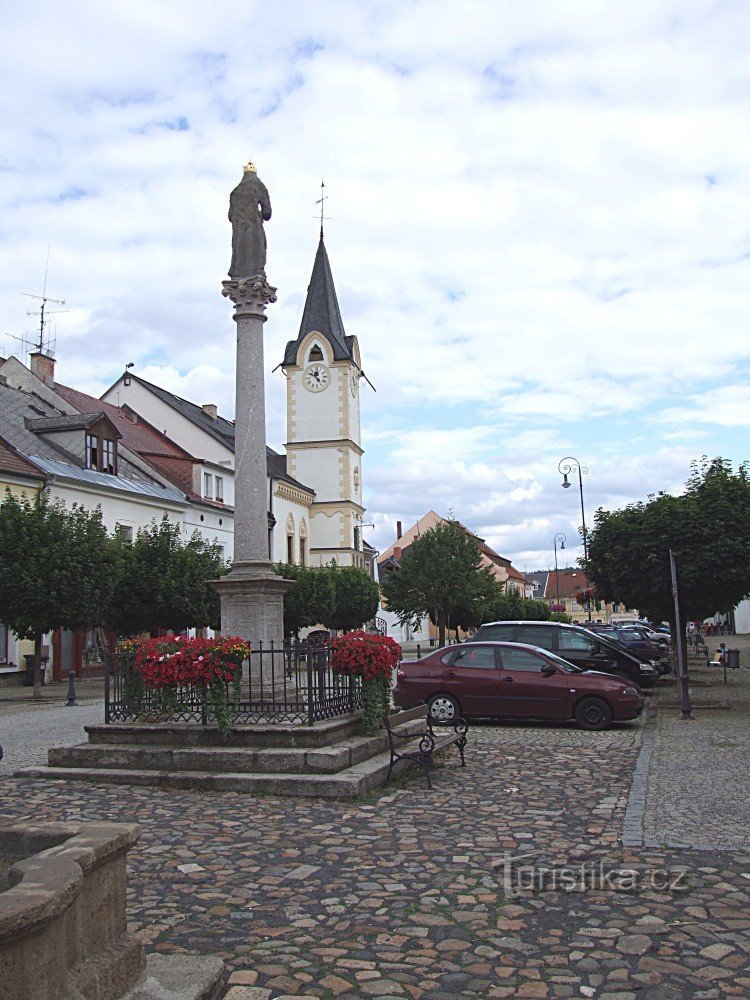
{"x": 559, "y": 537}
{"x": 565, "y": 466}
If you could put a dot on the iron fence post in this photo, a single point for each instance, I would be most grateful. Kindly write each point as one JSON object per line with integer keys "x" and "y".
{"x": 310, "y": 709}
{"x": 108, "y": 657}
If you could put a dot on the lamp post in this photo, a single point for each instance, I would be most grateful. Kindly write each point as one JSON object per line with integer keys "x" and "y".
{"x": 565, "y": 466}
{"x": 559, "y": 537}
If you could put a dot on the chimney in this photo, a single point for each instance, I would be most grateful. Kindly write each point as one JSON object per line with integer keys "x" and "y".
{"x": 399, "y": 531}
{"x": 396, "y": 552}
{"x": 211, "y": 410}
{"x": 43, "y": 366}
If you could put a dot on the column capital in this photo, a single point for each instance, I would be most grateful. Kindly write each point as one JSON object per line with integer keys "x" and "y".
{"x": 250, "y": 295}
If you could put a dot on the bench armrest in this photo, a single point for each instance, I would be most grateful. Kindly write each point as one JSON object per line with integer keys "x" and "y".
{"x": 459, "y": 725}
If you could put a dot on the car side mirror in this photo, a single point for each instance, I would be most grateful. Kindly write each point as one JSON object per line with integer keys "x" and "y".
{"x": 548, "y": 669}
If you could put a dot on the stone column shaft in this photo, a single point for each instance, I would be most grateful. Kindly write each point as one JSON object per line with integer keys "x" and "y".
{"x": 252, "y": 595}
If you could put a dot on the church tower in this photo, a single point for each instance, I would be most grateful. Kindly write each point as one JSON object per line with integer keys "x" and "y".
{"x": 323, "y": 369}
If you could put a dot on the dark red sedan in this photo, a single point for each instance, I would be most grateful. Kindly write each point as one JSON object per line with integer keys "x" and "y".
{"x": 510, "y": 680}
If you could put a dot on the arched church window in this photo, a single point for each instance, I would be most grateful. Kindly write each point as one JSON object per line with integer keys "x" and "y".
{"x": 289, "y": 538}
{"x": 316, "y": 354}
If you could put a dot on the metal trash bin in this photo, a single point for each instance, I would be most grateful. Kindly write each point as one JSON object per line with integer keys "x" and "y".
{"x": 733, "y": 658}
{"x": 28, "y": 680}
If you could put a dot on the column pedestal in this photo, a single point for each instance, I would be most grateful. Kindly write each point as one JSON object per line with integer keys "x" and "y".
{"x": 252, "y": 603}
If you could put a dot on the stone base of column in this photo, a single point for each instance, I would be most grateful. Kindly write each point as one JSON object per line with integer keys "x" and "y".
{"x": 252, "y": 603}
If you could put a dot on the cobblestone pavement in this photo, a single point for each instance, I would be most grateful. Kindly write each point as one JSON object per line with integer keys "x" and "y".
{"x": 28, "y": 729}
{"x": 697, "y": 784}
{"x": 408, "y": 895}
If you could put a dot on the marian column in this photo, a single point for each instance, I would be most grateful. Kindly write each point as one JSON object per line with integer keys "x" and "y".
{"x": 251, "y": 594}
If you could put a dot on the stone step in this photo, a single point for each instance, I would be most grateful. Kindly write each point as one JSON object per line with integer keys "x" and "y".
{"x": 348, "y": 784}
{"x": 184, "y": 734}
{"x": 226, "y": 760}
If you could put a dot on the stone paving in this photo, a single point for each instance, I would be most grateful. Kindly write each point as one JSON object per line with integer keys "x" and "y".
{"x": 698, "y": 774}
{"x": 27, "y": 729}
{"x": 412, "y": 894}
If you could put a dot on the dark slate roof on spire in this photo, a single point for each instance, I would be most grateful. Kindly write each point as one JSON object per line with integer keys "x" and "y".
{"x": 322, "y": 312}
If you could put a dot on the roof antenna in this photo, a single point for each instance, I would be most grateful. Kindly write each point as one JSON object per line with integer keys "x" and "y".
{"x": 44, "y": 299}
{"x": 321, "y": 201}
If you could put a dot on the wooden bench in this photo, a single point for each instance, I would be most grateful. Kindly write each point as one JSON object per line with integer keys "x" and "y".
{"x": 435, "y": 736}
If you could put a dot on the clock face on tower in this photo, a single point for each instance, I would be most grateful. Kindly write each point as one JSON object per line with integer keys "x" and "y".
{"x": 316, "y": 377}
{"x": 353, "y": 383}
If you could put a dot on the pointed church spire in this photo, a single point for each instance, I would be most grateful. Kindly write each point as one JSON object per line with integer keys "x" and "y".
{"x": 322, "y": 312}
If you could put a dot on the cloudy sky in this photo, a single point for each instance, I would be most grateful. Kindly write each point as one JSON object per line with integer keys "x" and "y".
{"x": 539, "y": 226}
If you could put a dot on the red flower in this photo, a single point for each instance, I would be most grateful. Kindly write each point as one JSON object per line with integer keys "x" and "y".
{"x": 363, "y": 654}
{"x": 175, "y": 659}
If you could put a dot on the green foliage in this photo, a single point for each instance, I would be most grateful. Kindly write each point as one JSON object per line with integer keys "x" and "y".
{"x": 356, "y": 598}
{"x": 511, "y": 606}
{"x": 164, "y": 583}
{"x": 376, "y": 701}
{"x": 310, "y": 601}
{"x": 707, "y": 528}
{"x": 337, "y": 597}
{"x": 441, "y": 574}
{"x": 58, "y": 566}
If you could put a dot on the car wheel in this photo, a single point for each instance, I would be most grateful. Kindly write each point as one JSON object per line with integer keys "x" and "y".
{"x": 593, "y": 713}
{"x": 443, "y": 708}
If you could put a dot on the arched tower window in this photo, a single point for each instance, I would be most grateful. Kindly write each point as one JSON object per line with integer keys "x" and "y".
{"x": 316, "y": 354}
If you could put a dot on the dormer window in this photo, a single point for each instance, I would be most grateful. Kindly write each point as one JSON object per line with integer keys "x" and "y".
{"x": 101, "y": 454}
{"x": 316, "y": 354}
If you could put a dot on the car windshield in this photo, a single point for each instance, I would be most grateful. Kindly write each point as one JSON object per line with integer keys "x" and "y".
{"x": 560, "y": 662}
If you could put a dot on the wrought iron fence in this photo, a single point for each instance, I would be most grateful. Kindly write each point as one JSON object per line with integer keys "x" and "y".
{"x": 283, "y": 684}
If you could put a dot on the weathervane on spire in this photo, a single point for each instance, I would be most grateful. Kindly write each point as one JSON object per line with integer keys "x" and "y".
{"x": 321, "y": 201}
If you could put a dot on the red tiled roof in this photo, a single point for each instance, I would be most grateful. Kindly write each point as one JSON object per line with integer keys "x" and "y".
{"x": 139, "y": 437}
{"x": 571, "y": 582}
{"x": 11, "y": 461}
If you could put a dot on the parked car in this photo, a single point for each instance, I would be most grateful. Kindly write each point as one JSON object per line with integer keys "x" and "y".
{"x": 634, "y": 641}
{"x": 576, "y": 644}
{"x": 509, "y": 680}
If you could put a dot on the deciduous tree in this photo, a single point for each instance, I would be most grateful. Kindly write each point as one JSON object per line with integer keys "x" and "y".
{"x": 707, "y": 528}
{"x": 165, "y": 583}
{"x": 441, "y": 574}
{"x": 59, "y": 569}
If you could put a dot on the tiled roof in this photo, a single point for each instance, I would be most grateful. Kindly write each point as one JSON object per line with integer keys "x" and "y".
{"x": 322, "y": 312}
{"x": 67, "y": 422}
{"x": 12, "y": 462}
{"x": 570, "y": 582}
{"x": 139, "y": 436}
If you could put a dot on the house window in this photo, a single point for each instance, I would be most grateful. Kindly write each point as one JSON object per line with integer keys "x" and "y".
{"x": 207, "y": 484}
{"x": 125, "y": 532}
{"x": 101, "y": 454}
{"x": 290, "y": 548}
{"x": 3, "y": 643}
{"x": 303, "y": 551}
{"x": 219, "y": 488}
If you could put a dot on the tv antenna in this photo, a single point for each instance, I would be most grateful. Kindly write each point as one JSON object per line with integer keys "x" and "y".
{"x": 43, "y": 313}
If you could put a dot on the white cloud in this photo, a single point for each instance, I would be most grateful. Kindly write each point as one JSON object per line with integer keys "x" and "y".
{"x": 537, "y": 223}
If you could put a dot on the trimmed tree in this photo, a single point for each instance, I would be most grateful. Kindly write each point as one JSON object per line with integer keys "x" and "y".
{"x": 707, "y": 528}
{"x": 356, "y": 598}
{"x": 310, "y": 601}
{"x": 60, "y": 569}
{"x": 441, "y": 575}
{"x": 165, "y": 583}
